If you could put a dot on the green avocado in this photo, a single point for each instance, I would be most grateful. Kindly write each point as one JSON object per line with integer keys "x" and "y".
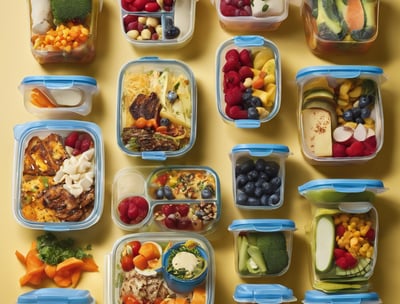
{"x": 329, "y": 21}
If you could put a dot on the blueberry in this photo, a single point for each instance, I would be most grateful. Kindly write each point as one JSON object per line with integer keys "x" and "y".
{"x": 241, "y": 180}
{"x": 249, "y": 188}
{"x": 365, "y": 112}
{"x": 267, "y": 188}
{"x": 365, "y": 100}
{"x": 264, "y": 176}
{"x": 276, "y": 182}
{"x": 168, "y": 193}
{"x": 172, "y": 96}
{"x": 246, "y": 96}
{"x": 253, "y": 175}
{"x": 164, "y": 122}
{"x": 356, "y": 112}
{"x": 255, "y": 101}
{"x": 258, "y": 191}
{"x": 253, "y": 201}
{"x": 247, "y": 165}
{"x": 260, "y": 164}
{"x": 348, "y": 115}
{"x": 252, "y": 113}
{"x": 241, "y": 198}
{"x": 359, "y": 120}
{"x": 264, "y": 200}
{"x": 207, "y": 192}
{"x": 160, "y": 193}
{"x": 273, "y": 200}
{"x": 272, "y": 169}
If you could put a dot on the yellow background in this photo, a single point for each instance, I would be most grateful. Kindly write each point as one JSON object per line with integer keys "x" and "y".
{"x": 213, "y": 145}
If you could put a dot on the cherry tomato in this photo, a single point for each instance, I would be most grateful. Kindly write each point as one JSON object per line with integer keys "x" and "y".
{"x": 130, "y": 299}
{"x": 127, "y": 263}
{"x": 135, "y": 245}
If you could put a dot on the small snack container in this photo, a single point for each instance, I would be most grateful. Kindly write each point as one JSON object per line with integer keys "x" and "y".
{"x": 167, "y": 198}
{"x": 263, "y": 293}
{"x": 64, "y": 31}
{"x": 340, "y": 116}
{"x": 58, "y": 175}
{"x": 263, "y": 247}
{"x": 151, "y": 267}
{"x": 258, "y": 172}
{"x": 340, "y": 28}
{"x": 248, "y": 75}
{"x": 162, "y": 25}
{"x": 58, "y": 96}
{"x": 251, "y": 15}
{"x": 56, "y": 296}
{"x": 344, "y": 232}
{"x": 319, "y": 297}
{"x": 156, "y": 108}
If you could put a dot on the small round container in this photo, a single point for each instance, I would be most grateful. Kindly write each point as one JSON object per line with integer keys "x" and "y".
{"x": 56, "y": 295}
{"x": 156, "y": 108}
{"x": 58, "y": 96}
{"x": 344, "y": 232}
{"x": 58, "y": 175}
{"x": 263, "y": 293}
{"x": 255, "y": 15}
{"x": 263, "y": 247}
{"x": 319, "y": 297}
{"x": 248, "y": 75}
{"x": 258, "y": 172}
{"x": 340, "y": 116}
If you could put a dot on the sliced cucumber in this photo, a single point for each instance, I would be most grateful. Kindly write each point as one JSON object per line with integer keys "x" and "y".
{"x": 324, "y": 243}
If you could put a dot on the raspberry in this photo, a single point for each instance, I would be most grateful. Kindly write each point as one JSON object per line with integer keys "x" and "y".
{"x": 245, "y": 58}
{"x": 245, "y": 72}
{"x": 231, "y": 65}
{"x": 233, "y": 96}
{"x": 340, "y": 230}
{"x": 370, "y": 145}
{"x": 236, "y": 112}
{"x": 71, "y": 139}
{"x": 370, "y": 235}
{"x": 338, "y": 150}
{"x": 168, "y": 209}
{"x": 355, "y": 149}
{"x": 232, "y": 55}
{"x": 337, "y": 252}
{"x": 227, "y": 9}
{"x": 183, "y": 209}
{"x": 231, "y": 80}
{"x": 346, "y": 261}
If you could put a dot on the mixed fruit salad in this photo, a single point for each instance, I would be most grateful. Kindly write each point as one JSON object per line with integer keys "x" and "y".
{"x": 256, "y": 8}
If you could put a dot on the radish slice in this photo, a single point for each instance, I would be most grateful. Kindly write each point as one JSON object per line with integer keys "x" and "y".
{"x": 360, "y": 132}
{"x": 324, "y": 243}
{"x": 342, "y": 134}
{"x": 370, "y": 132}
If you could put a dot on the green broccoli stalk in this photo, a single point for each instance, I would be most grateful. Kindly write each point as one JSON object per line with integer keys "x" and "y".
{"x": 273, "y": 248}
{"x": 70, "y": 10}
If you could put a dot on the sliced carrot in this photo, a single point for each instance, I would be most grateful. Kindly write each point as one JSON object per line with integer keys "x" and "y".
{"x": 69, "y": 264}
{"x": 20, "y": 257}
{"x": 50, "y": 270}
{"x": 149, "y": 251}
{"x": 140, "y": 122}
{"x": 89, "y": 265}
{"x": 39, "y": 99}
{"x": 258, "y": 83}
{"x": 199, "y": 295}
{"x": 75, "y": 276}
{"x": 62, "y": 280}
{"x": 154, "y": 263}
{"x": 162, "y": 129}
{"x": 140, "y": 262}
{"x": 354, "y": 15}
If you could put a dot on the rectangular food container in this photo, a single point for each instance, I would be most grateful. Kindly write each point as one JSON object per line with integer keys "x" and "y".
{"x": 168, "y": 198}
{"x": 158, "y": 24}
{"x": 344, "y": 232}
{"x": 263, "y": 293}
{"x": 64, "y": 31}
{"x": 251, "y": 15}
{"x": 340, "y": 116}
{"x": 319, "y": 297}
{"x": 258, "y": 175}
{"x": 263, "y": 247}
{"x": 52, "y": 96}
{"x": 58, "y": 175}
{"x": 135, "y": 271}
{"x": 56, "y": 296}
{"x": 248, "y": 75}
{"x": 341, "y": 27}
{"x": 156, "y": 108}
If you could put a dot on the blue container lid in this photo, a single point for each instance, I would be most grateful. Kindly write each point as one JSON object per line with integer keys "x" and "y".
{"x": 56, "y": 295}
{"x": 261, "y": 149}
{"x": 343, "y": 185}
{"x": 58, "y": 81}
{"x": 263, "y": 294}
{"x": 319, "y": 297}
{"x": 262, "y": 225}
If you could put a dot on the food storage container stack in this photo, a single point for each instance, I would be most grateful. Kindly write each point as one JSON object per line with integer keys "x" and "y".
{"x": 263, "y": 293}
{"x": 56, "y": 295}
{"x": 319, "y": 297}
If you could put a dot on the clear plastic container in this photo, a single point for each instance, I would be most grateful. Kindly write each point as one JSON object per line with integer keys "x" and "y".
{"x": 319, "y": 297}
{"x": 58, "y": 175}
{"x": 64, "y": 31}
{"x": 56, "y": 296}
{"x": 156, "y": 108}
{"x": 258, "y": 172}
{"x": 340, "y": 115}
{"x": 263, "y": 294}
{"x": 344, "y": 232}
{"x": 263, "y": 247}
{"x": 248, "y": 75}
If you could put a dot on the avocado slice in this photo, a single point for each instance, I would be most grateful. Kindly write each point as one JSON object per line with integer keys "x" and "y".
{"x": 329, "y": 21}
{"x": 255, "y": 263}
{"x": 370, "y": 26}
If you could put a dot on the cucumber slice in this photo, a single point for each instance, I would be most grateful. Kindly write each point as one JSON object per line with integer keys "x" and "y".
{"x": 324, "y": 243}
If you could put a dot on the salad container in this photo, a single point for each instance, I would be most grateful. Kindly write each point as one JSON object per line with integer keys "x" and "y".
{"x": 319, "y": 297}
{"x": 263, "y": 293}
{"x": 58, "y": 175}
{"x": 258, "y": 172}
{"x": 344, "y": 232}
{"x": 58, "y": 96}
{"x": 56, "y": 296}
{"x": 156, "y": 108}
{"x": 248, "y": 75}
{"x": 340, "y": 115}
{"x": 263, "y": 247}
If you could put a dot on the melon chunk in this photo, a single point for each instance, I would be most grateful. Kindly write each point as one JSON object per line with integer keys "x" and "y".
{"x": 324, "y": 243}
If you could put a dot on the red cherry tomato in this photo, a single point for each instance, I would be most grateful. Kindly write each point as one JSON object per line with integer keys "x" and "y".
{"x": 130, "y": 299}
{"x": 127, "y": 263}
{"x": 135, "y": 245}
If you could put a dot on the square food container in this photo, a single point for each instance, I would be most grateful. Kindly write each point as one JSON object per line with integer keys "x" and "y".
{"x": 64, "y": 31}
{"x": 340, "y": 116}
{"x": 142, "y": 267}
{"x": 58, "y": 96}
{"x": 319, "y": 297}
{"x": 251, "y": 15}
{"x": 344, "y": 232}
{"x": 258, "y": 172}
{"x": 263, "y": 247}
{"x": 160, "y": 24}
{"x": 263, "y": 293}
{"x": 58, "y": 175}
{"x": 174, "y": 198}
{"x": 248, "y": 75}
{"x": 56, "y": 296}
{"x": 156, "y": 108}
{"x": 341, "y": 27}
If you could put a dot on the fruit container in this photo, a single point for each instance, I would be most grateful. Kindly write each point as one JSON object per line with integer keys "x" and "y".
{"x": 167, "y": 198}
{"x": 163, "y": 24}
{"x": 248, "y": 78}
{"x": 142, "y": 267}
{"x": 251, "y": 15}
{"x": 340, "y": 115}
{"x": 263, "y": 247}
{"x": 263, "y": 293}
{"x": 64, "y": 31}
{"x": 156, "y": 108}
{"x": 58, "y": 175}
{"x": 258, "y": 172}
{"x": 344, "y": 232}
{"x": 340, "y": 28}
{"x": 58, "y": 96}
{"x": 319, "y": 297}
{"x": 56, "y": 296}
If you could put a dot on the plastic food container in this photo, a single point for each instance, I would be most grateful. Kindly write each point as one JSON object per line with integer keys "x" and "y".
{"x": 340, "y": 27}
{"x": 174, "y": 198}
{"x": 58, "y": 175}
{"x": 263, "y": 247}
{"x": 344, "y": 232}
{"x": 248, "y": 81}
{"x": 136, "y": 271}
{"x": 340, "y": 116}
{"x": 263, "y": 293}
{"x": 64, "y": 31}
{"x": 250, "y": 16}
{"x": 258, "y": 172}
{"x": 56, "y": 296}
{"x": 165, "y": 24}
{"x": 319, "y": 297}
{"x": 156, "y": 108}
{"x": 58, "y": 96}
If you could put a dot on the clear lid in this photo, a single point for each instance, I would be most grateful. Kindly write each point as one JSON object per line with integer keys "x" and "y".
{"x": 262, "y": 225}
{"x": 319, "y": 297}
{"x": 261, "y": 149}
{"x": 343, "y": 185}
{"x": 57, "y": 81}
{"x": 56, "y": 295}
{"x": 263, "y": 294}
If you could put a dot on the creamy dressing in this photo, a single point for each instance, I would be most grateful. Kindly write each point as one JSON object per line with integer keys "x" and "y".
{"x": 185, "y": 260}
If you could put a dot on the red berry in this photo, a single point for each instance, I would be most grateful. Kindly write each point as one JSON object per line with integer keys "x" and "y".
{"x": 183, "y": 223}
{"x": 168, "y": 209}
{"x": 337, "y": 253}
{"x": 340, "y": 230}
{"x": 355, "y": 149}
{"x": 152, "y": 7}
{"x": 370, "y": 145}
{"x": 338, "y": 150}
{"x": 233, "y": 96}
{"x": 245, "y": 58}
{"x": 183, "y": 209}
{"x": 236, "y": 112}
{"x": 133, "y": 211}
{"x": 231, "y": 80}
{"x": 245, "y": 72}
{"x": 71, "y": 139}
{"x": 127, "y": 263}
{"x": 370, "y": 235}
{"x": 231, "y": 65}
{"x": 232, "y": 55}
{"x": 170, "y": 222}
{"x": 139, "y": 4}
{"x": 129, "y": 18}
{"x": 86, "y": 145}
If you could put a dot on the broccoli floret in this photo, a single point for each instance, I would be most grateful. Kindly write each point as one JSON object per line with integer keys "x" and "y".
{"x": 70, "y": 10}
{"x": 273, "y": 248}
{"x": 277, "y": 260}
{"x": 271, "y": 240}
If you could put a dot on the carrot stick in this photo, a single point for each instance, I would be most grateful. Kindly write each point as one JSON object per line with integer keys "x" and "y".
{"x": 20, "y": 257}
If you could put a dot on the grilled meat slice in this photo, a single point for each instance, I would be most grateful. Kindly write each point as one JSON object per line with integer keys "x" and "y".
{"x": 145, "y": 106}
{"x": 147, "y": 140}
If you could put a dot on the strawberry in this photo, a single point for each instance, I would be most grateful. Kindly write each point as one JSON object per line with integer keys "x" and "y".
{"x": 355, "y": 149}
{"x": 233, "y": 96}
{"x": 338, "y": 150}
{"x": 245, "y": 72}
{"x": 245, "y": 58}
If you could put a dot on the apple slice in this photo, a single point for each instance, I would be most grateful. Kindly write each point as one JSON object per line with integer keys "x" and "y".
{"x": 324, "y": 243}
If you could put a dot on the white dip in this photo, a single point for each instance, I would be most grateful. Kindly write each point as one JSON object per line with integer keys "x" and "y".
{"x": 185, "y": 260}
